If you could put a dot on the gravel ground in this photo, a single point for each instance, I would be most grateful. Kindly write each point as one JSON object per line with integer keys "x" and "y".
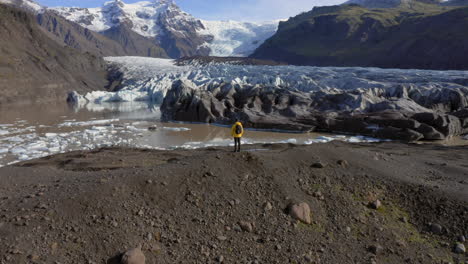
{"x": 369, "y": 203}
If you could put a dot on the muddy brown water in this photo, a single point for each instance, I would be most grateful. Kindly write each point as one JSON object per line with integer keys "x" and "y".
{"x": 32, "y": 131}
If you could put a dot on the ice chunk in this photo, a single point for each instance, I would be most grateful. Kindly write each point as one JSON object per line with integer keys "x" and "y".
{"x": 40, "y": 145}
{"x": 14, "y": 139}
{"x": 24, "y": 157}
{"x": 176, "y": 129}
{"x": 18, "y": 150}
{"x": 3, "y": 132}
{"x": 89, "y": 123}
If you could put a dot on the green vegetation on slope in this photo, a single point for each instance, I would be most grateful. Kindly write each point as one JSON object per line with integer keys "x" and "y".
{"x": 414, "y": 35}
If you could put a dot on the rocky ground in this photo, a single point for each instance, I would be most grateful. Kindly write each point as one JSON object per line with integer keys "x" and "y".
{"x": 381, "y": 203}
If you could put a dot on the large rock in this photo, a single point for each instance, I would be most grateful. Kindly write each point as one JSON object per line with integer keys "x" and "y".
{"x": 133, "y": 256}
{"x": 301, "y": 212}
{"x": 448, "y": 125}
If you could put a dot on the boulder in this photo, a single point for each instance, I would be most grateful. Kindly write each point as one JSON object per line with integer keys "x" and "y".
{"x": 301, "y": 212}
{"x": 459, "y": 248}
{"x": 448, "y": 125}
{"x": 133, "y": 256}
{"x": 375, "y": 204}
{"x": 398, "y": 134}
{"x": 429, "y": 132}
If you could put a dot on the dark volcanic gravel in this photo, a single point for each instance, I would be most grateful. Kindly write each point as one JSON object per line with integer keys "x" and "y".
{"x": 213, "y": 205}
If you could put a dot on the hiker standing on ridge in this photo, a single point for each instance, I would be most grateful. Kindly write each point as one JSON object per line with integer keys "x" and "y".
{"x": 237, "y": 131}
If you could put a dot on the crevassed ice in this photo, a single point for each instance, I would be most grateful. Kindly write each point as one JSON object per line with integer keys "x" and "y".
{"x": 149, "y": 79}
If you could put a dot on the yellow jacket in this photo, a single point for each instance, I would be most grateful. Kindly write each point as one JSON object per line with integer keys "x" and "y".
{"x": 233, "y": 130}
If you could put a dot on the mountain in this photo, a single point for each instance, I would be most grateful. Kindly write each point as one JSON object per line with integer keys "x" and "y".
{"x": 84, "y": 40}
{"x": 35, "y": 68}
{"x": 177, "y": 32}
{"x": 390, "y": 3}
{"x": 421, "y": 35}
{"x": 455, "y": 3}
{"x": 27, "y": 5}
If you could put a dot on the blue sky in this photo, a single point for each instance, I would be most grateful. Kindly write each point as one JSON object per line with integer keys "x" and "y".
{"x": 246, "y": 10}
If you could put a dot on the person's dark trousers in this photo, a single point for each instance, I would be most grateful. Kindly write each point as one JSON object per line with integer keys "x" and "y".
{"x": 237, "y": 144}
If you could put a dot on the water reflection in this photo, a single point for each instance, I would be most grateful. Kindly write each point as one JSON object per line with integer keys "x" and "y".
{"x": 33, "y": 131}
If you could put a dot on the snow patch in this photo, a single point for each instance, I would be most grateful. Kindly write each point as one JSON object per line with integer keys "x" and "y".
{"x": 88, "y": 123}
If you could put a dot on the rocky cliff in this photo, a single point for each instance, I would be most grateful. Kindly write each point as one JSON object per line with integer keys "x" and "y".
{"x": 420, "y": 35}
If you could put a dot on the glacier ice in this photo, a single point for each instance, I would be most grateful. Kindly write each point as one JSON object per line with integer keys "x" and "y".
{"x": 151, "y": 78}
{"x": 88, "y": 123}
{"x": 234, "y": 38}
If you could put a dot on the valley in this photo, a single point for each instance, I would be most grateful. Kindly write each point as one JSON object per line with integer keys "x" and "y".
{"x": 116, "y": 132}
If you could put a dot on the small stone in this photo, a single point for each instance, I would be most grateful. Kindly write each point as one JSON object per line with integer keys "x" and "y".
{"x": 301, "y": 212}
{"x": 210, "y": 174}
{"x": 34, "y": 257}
{"x": 246, "y": 226}
{"x": 348, "y": 229}
{"x": 149, "y": 182}
{"x": 41, "y": 206}
{"x": 140, "y": 213}
{"x": 149, "y": 236}
{"x": 459, "y": 248}
{"x": 436, "y": 229}
{"x": 404, "y": 220}
{"x": 54, "y": 246}
{"x": 375, "y": 204}
{"x": 267, "y": 206}
{"x": 222, "y": 238}
{"x": 153, "y": 128}
{"x": 461, "y": 239}
{"x": 133, "y": 256}
{"x": 375, "y": 249}
{"x": 220, "y": 259}
{"x": 319, "y": 165}
{"x": 343, "y": 163}
{"x": 278, "y": 247}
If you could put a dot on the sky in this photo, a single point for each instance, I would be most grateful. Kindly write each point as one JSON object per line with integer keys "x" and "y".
{"x": 241, "y": 10}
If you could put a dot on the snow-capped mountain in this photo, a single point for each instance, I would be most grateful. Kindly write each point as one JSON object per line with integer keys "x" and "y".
{"x": 25, "y": 4}
{"x": 164, "y": 21}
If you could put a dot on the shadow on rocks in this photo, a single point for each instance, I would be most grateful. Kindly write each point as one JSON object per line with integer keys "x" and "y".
{"x": 116, "y": 259}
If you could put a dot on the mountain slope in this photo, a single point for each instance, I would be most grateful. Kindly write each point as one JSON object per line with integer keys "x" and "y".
{"x": 34, "y": 68}
{"x": 134, "y": 44}
{"x": 176, "y": 31}
{"x": 456, "y": 3}
{"x": 422, "y": 36}
{"x": 390, "y": 3}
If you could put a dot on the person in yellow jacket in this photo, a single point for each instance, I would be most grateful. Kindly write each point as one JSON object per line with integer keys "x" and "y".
{"x": 237, "y": 131}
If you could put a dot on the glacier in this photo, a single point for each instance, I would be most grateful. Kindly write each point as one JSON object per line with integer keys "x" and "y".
{"x": 384, "y": 103}
{"x": 149, "y": 79}
{"x": 238, "y": 39}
